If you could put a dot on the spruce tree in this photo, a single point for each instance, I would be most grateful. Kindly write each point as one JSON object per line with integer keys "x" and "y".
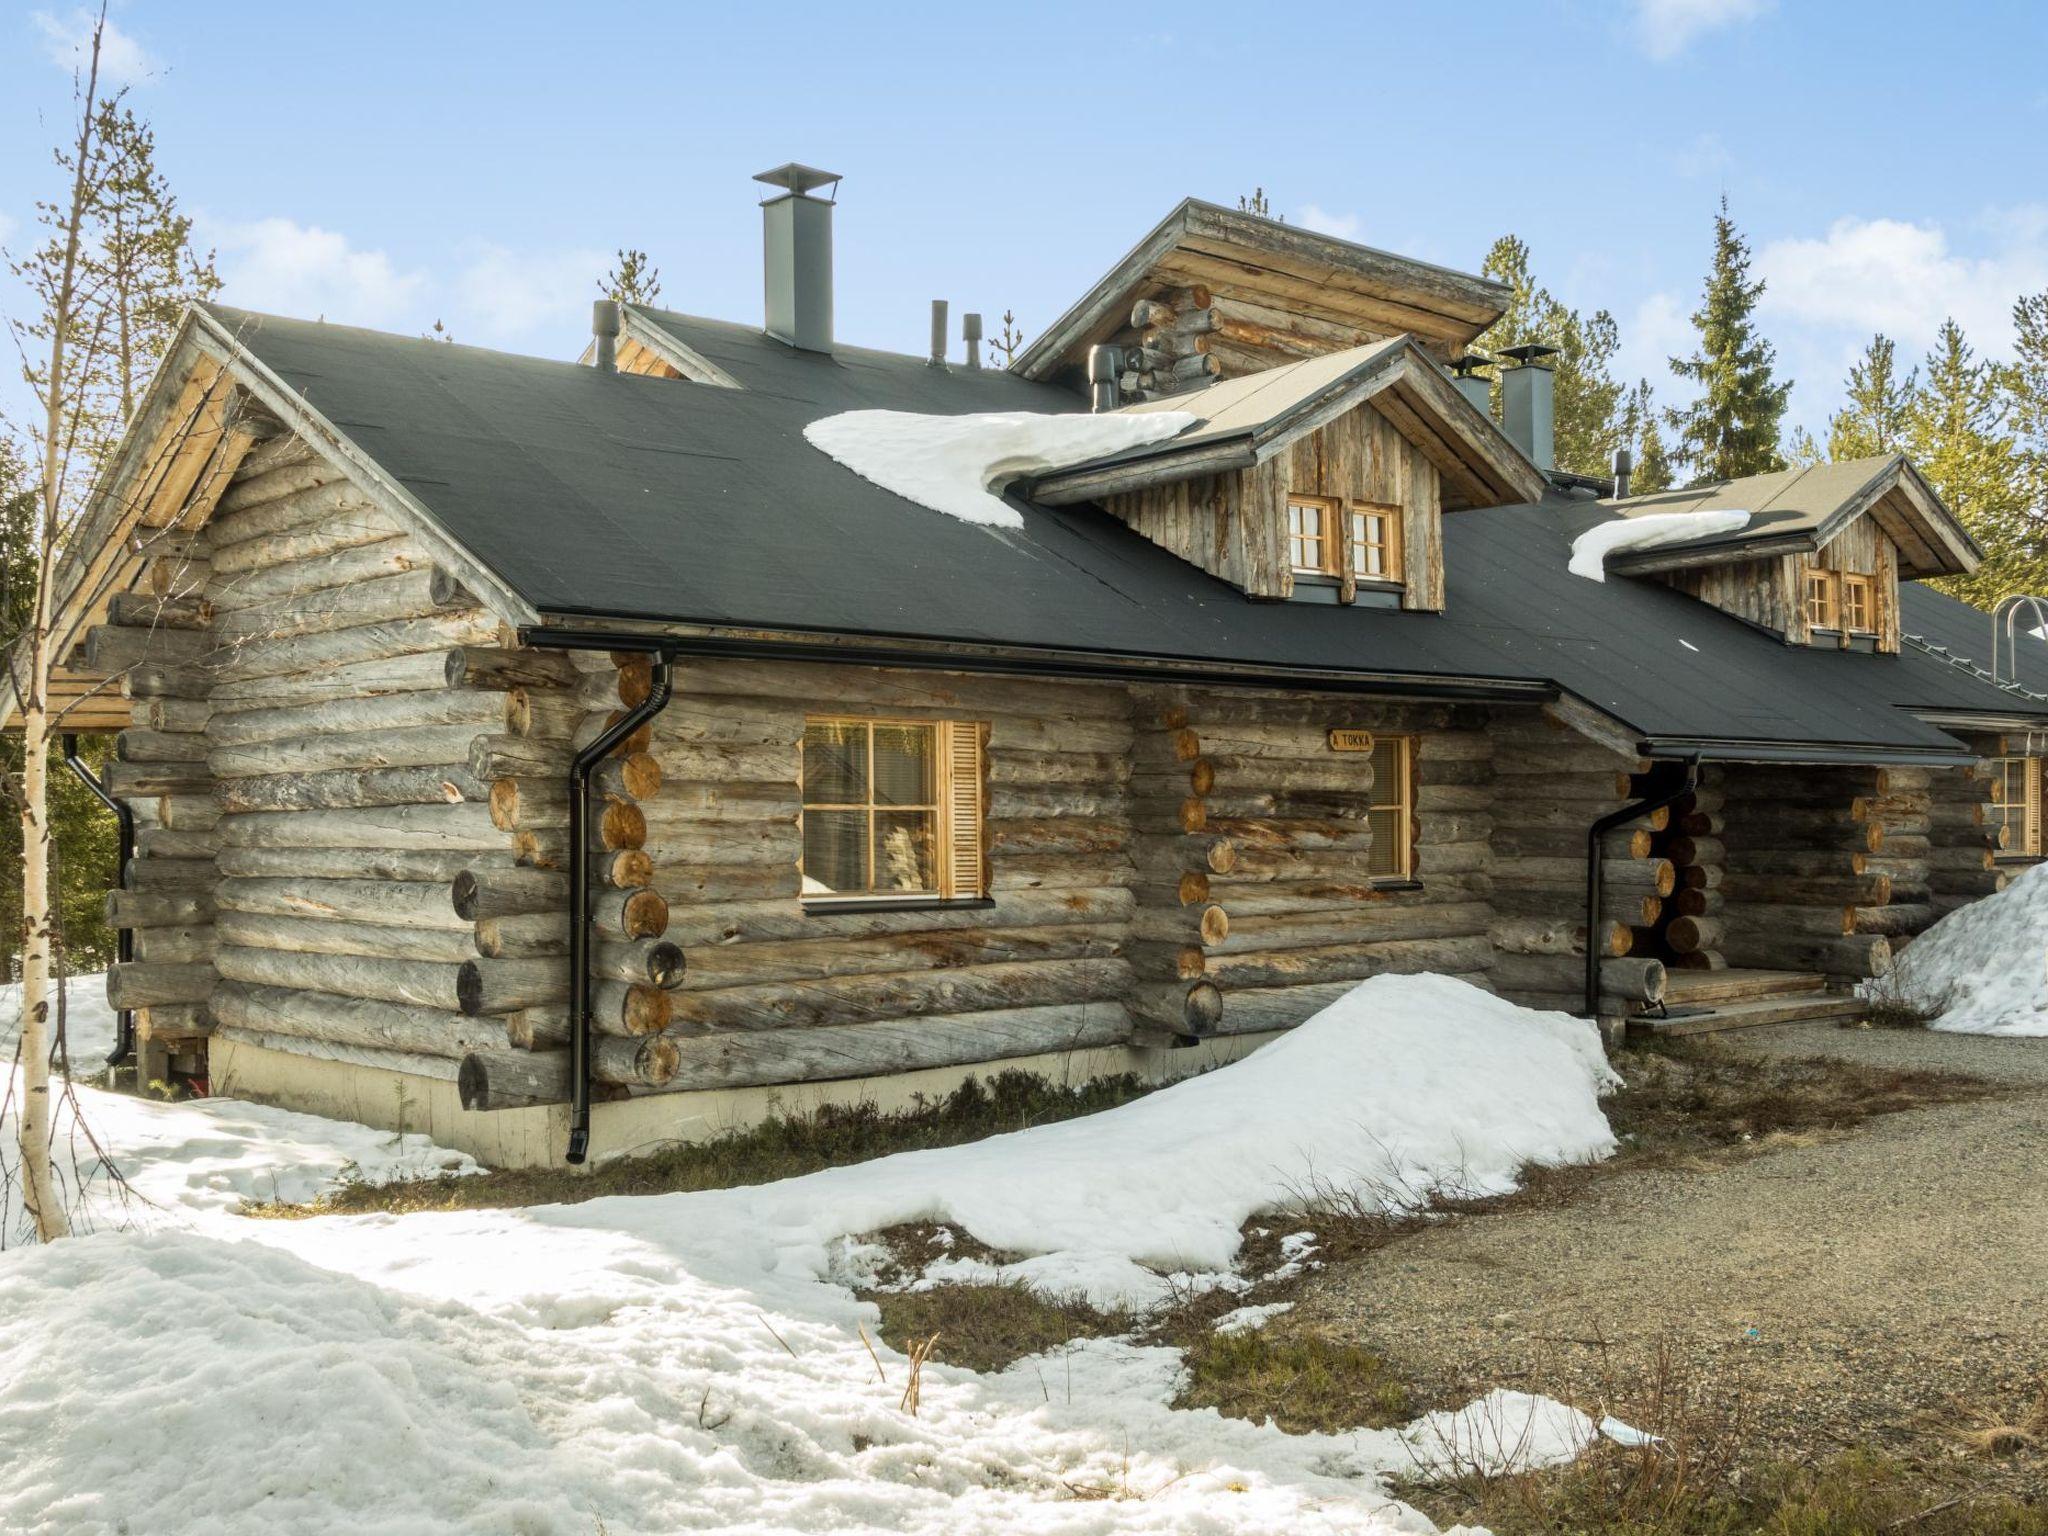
{"x": 1589, "y": 399}
{"x": 2026, "y": 384}
{"x": 633, "y": 280}
{"x": 1958, "y": 434}
{"x": 1653, "y": 464}
{"x": 1732, "y": 428}
{"x": 1880, "y": 404}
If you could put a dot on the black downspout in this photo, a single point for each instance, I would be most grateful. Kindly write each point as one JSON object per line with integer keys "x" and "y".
{"x": 1594, "y": 838}
{"x": 580, "y": 769}
{"x": 124, "y": 940}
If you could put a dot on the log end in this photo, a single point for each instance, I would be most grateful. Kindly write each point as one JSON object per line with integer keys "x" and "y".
{"x": 1203, "y": 1009}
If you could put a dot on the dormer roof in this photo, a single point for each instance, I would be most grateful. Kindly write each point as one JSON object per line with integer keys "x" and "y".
{"x": 1244, "y": 421}
{"x": 1794, "y": 511}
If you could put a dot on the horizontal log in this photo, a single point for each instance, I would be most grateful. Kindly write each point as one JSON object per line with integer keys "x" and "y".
{"x": 694, "y": 883}
{"x": 188, "y": 944}
{"x": 1689, "y": 901}
{"x": 446, "y": 827}
{"x": 629, "y": 914}
{"x": 136, "y": 781}
{"x": 1797, "y": 861}
{"x": 1182, "y": 1008}
{"x": 1755, "y": 917}
{"x": 1555, "y": 936}
{"x": 352, "y": 1020}
{"x": 500, "y": 669}
{"x": 804, "y": 960}
{"x": 172, "y": 714}
{"x": 173, "y": 843}
{"x": 112, "y": 648}
{"x": 1847, "y": 890}
{"x": 1900, "y": 921}
{"x": 350, "y": 788}
{"x": 424, "y": 983}
{"x": 1350, "y": 962}
{"x": 358, "y": 863}
{"x": 1379, "y": 923}
{"x": 420, "y": 594}
{"x": 351, "y": 716}
{"x": 512, "y": 1079}
{"x": 853, "y": 999}
{"x": 1655, "y": 875}
{"x": 267, "y": 930}
{"x": 139, "y": 985}
{"x": 243, "y": 584}
{"x": 300, "y": 473}
{"x": 263, "y": 658}
{"x": 655, "y": 962}
{"x": 479, "y": 893}
{"x": 1968, "y": 882}
{"x": 1854, "y": 955}
{"x": 357, "y": 751}
{"x": 401, "y": 903}
{"x": 402, "y": 672}
{"x": 166, "y": 909}
{"x": 1687, "y": 932}
{"x": 139, "y": 745}
{"x": 1630, "y": 978}
{"x": 1568, "y": 842}
{"x": 171, "y": 875}
{"x": 166, "y": 680}
{"x": 756, "y": 922}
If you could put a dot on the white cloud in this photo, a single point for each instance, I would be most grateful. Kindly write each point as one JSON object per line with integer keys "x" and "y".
{"x": 284, "y": 267}
{"x": 506, "y": 295}
{"x": 1659, "y": 329}
{"x": 1705, "y": 156}
{"x": 1666, "y": 28}
{"x": 1344, "y": 226}
{"x": 68, "y": 43}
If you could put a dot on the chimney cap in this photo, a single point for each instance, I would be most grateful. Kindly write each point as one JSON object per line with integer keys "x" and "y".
{"x": 800, "y": 180}
{"x": 1465, "y": 363}
{"x": 1534, "y": 353}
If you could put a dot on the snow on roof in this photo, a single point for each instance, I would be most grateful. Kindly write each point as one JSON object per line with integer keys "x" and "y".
{"x": 953, "y": 464}
{"x": 1652, "y": 530}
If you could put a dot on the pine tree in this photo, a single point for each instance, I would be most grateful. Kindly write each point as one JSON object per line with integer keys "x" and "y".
{"x": 1803, "y": 450}
{"x": 1589, "y": 399}
{"x": 1639, "y": 429}
{"x": 1880, "y": 404}
{"x": 633, "y": 280}
{"x": 2026, "y": 384}
{"x": 1732, "y": 428}
{"x": 1958, "y": 435}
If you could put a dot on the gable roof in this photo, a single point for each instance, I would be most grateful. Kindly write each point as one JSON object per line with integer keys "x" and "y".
{"x": 1244, "y": 421}
{"x": 1331, "y": 280}
{"x": 1798, "y": 510}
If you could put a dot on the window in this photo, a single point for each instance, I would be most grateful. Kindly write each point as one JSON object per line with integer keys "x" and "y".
{"x": 1859, "y": 605}
{"x": 1392, "y": 808}
{"x": 1820, "y": 600}
{"x": 1312, "y": 535}
{"x": 2016, "y": 804}
{"x": 1375, "y": 541}
{"x": 892, "y": 808}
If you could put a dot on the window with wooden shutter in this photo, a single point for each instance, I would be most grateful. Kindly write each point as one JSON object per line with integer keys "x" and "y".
{"x": 1375, "y": 541}
{"x": 1859, "y": 604}
{"x": 891, "y": 809}
{"x": 1820, "y": 599}
{"x": 1392, "y": 809}
{"x": 1312, "y": 535}
{"x": 2016, "y": 804}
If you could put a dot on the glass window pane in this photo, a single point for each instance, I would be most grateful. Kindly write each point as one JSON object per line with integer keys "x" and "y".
{"x": 835, "y": 763}
{"x": 903, "y": 850}
{"x": 1388, "y": 856}
{"x": 835, "y": 852}
{"x": 903, "y": 765}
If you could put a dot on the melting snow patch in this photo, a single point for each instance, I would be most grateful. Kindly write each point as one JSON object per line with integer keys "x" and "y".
{"x": 1245, "y": 1319}
{"x": 1983, "y": 969}
{"x": 952, "y": 464}
{"x": 1652, "y": 530}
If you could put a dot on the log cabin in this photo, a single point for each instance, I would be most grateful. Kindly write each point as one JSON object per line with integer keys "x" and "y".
{"x": 559, "y": 756}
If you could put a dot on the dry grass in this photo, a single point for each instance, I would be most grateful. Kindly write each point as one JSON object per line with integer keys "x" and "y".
{"x": 988, "y": 1327}
{"x": 775, "y": 1149}
{"x": 1300, "y": 1378}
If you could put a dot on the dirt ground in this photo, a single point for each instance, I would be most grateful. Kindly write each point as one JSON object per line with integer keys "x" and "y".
{"x": 1868, "y": 1289}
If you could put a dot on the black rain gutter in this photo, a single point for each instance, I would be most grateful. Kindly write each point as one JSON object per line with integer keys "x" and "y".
{"x": 1816, "y": 754}
{"x": 580, "y": 916}
{"x": 124, "y": 938}
{"x": 1595, "y": 836}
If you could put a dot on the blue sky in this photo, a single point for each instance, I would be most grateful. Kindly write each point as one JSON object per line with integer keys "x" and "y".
{"x": 388, "y": 165}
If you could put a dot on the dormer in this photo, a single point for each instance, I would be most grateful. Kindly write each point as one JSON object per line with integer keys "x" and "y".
{"x": 1322, "y": 481}
{"x": 1213, "y": 293}
{"x": 1820, "y": 560}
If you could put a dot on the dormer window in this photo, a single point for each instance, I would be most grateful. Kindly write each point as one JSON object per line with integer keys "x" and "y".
{"x": 1375, "y": 542}
{"x": 1312, "y": 535}
{"x": 1859, "y": 604}
{"x": 1820, "y": 600}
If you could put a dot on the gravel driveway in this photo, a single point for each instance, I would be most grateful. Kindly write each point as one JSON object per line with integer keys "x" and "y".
{"x": 1832, "y": 1292}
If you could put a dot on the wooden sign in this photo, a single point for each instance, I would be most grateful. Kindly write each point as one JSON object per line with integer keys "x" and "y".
{"x": 1350, "y": 741}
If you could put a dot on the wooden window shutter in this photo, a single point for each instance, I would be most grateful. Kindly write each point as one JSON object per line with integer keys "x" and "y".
{"x": 960, "y": 750}
{"x": 2030, "y": 838}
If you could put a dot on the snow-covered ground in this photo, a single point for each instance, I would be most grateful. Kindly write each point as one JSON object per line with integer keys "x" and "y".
{"x": 1983, "y": 969}
{"x": 1653, "y": 530}
{"x": 952, "y": 463}
{"x": 696, "y": 1362}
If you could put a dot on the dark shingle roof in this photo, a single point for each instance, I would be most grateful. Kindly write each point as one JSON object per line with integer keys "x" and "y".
{"x": 600, "y": 495}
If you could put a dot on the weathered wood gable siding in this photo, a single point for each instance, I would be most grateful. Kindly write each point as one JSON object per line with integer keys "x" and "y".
{"x": 774, "y": 992}
{"x": 1234, "y": 526}
{"x": 1863, "y": 549}
{"x": 1770, "y": 592}
{"x": 1256, "y": 906}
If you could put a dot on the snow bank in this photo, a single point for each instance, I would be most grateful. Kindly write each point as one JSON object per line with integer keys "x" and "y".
{"x": 951, "y": 463}
{"x": 1652, "y": 530}
{"x": 178, "y": 1161}
{"x": 1983, "y": 969}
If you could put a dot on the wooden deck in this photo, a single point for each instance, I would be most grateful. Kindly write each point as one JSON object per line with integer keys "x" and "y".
{"x": 1701, "y": 1002}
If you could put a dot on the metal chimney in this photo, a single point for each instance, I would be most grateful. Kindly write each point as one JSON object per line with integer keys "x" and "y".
{"x": 604, "y": 328}
{"x": 1624, "y": 466}
{"x": 1528, "y": 404}
{"x": 1104, "y": 364}
{"x": 796, "y": 250}
{"x": 938, "y": 354}
{"x": 970, "y": 331}
{"x": 1474, "y": 386}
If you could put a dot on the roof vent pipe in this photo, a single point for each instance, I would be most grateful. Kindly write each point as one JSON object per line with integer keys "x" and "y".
{"x": 1624, "y": 466}
{"x": 1473, "y": 385}
{"x": 970, "y": 330}
{"x": 604, "y": 326}
{"x": 938, "y": 355}
{"x": 1528, "y": 404}
{"x": 796, "y": 254}
{"x": 1104, "y": 364}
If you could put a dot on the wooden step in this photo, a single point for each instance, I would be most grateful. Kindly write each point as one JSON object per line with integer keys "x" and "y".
{"x": 1712, "y": 988}
{"x": 1807, "y": 1008}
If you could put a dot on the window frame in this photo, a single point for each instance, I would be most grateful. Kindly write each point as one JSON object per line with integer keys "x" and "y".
{"x": 1405, "y": 745}
{"x": 2023, "y": 813}
{"x": 1860, "y": 582}
{"x": 941, "y": 807}
{"x": 1828, "y": 586}
{"x": 1393, "y": 555}
{"x": 1329, "y": 515}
